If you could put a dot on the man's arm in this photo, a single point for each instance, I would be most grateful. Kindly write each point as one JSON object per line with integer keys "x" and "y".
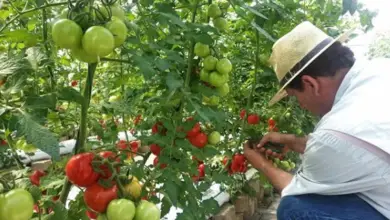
{"x": 278, "y": 177}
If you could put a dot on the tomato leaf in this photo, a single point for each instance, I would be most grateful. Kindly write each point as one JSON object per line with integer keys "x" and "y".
{"x": 144, "y": 65}
{"x": 162, "y": 64}
{"x": 35, "y": 192}
{"x": 38, "y": 135}
{"x": 171, "y": 190}
{"x": 165, "y": 206}
{"x": 211, "y": 205}
{"x": 262, "y": 31}
{"x": 203, "y": 38}
{"x": 39, "y": 2}
{"x": 14, "y": 65}
{"x": 254, "y": 11}
{"x": 70, "y": 94}
{"x": 47, "y": 101}
{"x": 60, "y": 212}
{"x": 173, "y": 82}
{"x": 174, "y": 19}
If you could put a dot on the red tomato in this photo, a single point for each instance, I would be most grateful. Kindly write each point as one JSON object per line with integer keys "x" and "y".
{"x": 36, "y": 177}
{"x": 225, "y": 160}
{"x": 253, "y": 119}
{"x": 155, "y": 163}
{"x": 74, "y": 83}
{"x": 155, "y": 149}
{"x": 159, "y": 128}
{"x": 123, "y": 145}
{"x": 242, "y": 113}
{"x": 90, "y": 214}
{"x": 199, "y": 140}
{"x": 3, "y": 142}
{"x": 238, "y": 164}
{"x": 134, "y": 146}
{"x": 97, "y": 198}
{"x": 107, "y": 172}
{"x": 201, "y": 173}
{"x": 79, "y": 170}
{"x": 194, "y": 131}
{"x": 271, "y": 122}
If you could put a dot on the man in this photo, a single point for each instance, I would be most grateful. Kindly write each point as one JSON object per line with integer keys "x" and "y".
{"x": 345, "y": 170}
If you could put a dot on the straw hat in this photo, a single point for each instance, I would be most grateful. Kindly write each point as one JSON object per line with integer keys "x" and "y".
{"x": 296, "y": 50}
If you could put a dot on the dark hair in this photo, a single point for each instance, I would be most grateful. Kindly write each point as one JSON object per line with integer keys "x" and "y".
{"x": 334, "y": 58}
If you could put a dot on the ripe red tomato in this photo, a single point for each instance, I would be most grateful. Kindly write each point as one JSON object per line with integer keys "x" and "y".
{"x": 225, "y": 160}
{"x": 194, "y": 131}
{"x": 253, "y": 119}
{"x": 242, "y": 113}
{"x": 36, "y": 177}
{"x": 271, "y": 122}
{"x": 97, "y": 198}
{"x": 123, "y": 145}
{"x": 238, "y": 164}
{"x": 201, "y": 173}
{"x": 79, "y": 170}
{"x": 74, "y": 83}
{"x": 155, "y": 149}
{"x": 199, "y": 141}
{"x": 3, "y": 142}
{"x": 106, "y": 170}
{"x": 155, "y": 163}
{"x": 90, "y": 214}
{"x": 159, "y": 128}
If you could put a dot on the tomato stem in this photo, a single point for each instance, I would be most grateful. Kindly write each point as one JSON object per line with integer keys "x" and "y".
{"x": 45, "y": 43}
{"x": 32, "y": 10}
{"x": 82, "y": 134}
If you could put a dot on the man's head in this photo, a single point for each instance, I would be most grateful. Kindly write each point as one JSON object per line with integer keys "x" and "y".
{"x": 316, "y": 86}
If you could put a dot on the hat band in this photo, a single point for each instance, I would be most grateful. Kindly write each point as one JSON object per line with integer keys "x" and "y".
{"x": 305, "y": 59}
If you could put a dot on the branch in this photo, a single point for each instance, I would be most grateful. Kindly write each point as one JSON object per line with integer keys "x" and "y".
{"x": 31, "y": 10}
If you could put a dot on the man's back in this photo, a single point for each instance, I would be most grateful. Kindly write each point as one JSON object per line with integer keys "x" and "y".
{"x": 334, "y": 161}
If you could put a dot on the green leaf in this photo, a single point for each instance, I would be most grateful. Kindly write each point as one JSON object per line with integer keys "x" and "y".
{"x": 39, "y": 2}
{"x": 38, "y": 136}
{"x": 144, "y": 65}
{"x": 60, "y": 211}
{"x": 262, "y": 31}
{"x": 211, "y": 206}
{"x": 171, "y": 190}
{"x": 70, "y": 94}
{"x": 174, "y": 19}
{"x": 35, "y": 192}
{"x": 165, "y": 206}
{"x": 255, "y": 12}
{"x": 162, "y": 64}
{"x": 11, "y": 66}
{"x": 173, "y": 82}
{"x": 204, "y": 38}
{"x": 41, "y": 102}
{"x": 210, "y": 151}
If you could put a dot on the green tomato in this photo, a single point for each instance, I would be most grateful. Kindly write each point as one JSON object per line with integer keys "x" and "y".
{"x": 210, "y": 63}
{"x": 204, "y": 75}
{"x": 116, "y": 11}
{"x": 67, "y": 33}
{"x": 120, "y": 209}
{"x": 223, "y": 90}
{"x": 285, "y": 165}
{"x": 118, "y": 29}
{"x": 147, "y": 211}
{"x": 213, "y": 100}
{"x": 98, "y": 41}
{"x": 17, "y": 204}
{"x": 214, "y": 11}
{"x": 214, "y": 138}
{"x": 81, "y": 55}
{"x": 201, "y": 50}
{"x": 217, "y": 79}
{"x": 221, "y": 24}
{"x": 292, "y": 165}
{"x": 224, "y": 66}
{"x": 114, "y": 98}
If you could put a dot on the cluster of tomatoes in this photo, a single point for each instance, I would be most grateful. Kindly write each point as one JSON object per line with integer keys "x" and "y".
{"x": 252, "y": 118}
{"x": 215, "y": 12}
{"x": 238, "y": 164}
{"x": 97, "y": 40}
{"x": 215, "y": 73}
{"x": 85, "y": 170}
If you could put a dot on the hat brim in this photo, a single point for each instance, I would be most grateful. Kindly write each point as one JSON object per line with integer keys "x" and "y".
{"x": 282, "y": 92}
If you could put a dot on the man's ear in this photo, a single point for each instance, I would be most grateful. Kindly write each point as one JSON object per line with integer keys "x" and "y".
{"x": 311, "y": 84}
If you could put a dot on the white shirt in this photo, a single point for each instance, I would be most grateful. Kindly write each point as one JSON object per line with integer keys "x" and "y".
{"x": 336, "y": 159}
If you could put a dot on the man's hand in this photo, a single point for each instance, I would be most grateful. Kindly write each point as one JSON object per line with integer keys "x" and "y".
{"x": 278, "y": 178}
{"x": 290, "y": 141}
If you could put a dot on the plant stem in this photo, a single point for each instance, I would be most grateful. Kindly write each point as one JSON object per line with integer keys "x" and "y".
{"x": 14, "y": 154}
{"x": 44, "y": 33}
{"x": 82, "y": 134}
{"x": 257, "y": 63}
{"x": 31, "y": 10}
